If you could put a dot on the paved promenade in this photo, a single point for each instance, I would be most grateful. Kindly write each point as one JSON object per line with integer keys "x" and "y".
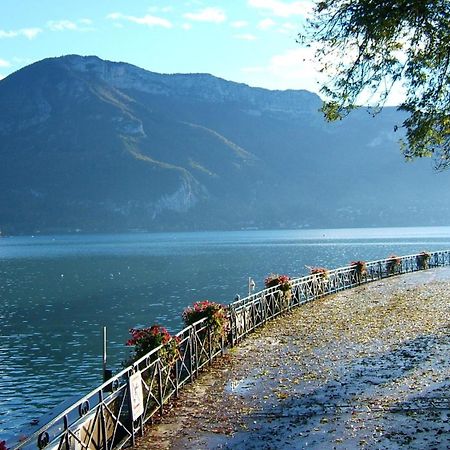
{"x": 368, "y": 368}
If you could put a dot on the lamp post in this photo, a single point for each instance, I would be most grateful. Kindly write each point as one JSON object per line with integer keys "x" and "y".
{"x": 104, "y": 353}
{"x": 107, "y": 373}
{"x": 251, "y": 285}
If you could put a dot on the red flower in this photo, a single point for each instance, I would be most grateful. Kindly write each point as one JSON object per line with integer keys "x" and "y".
{"x": 146, "y": 339}
{"x": 274, "y": 280}
{"x": 213, "y": 312}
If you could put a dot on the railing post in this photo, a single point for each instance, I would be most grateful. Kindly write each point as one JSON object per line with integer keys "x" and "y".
{"x": 103, "y": 421}
{"x": 252, "y": 306}
{"x": 196, "y": 353}
{"x": 233, "y": 326}
{"x": 244, "y": 309}
{"x": 189, "y": 360}
{"x": 129, "y": 412}
{"x": 210, "y": 344}
{"x": 194, "y": 363}
{"x": 262, "y": 299}
{"x": 177, "y": 375}
{"x": 66, "y": 434}
{"x": 160, "y": 387}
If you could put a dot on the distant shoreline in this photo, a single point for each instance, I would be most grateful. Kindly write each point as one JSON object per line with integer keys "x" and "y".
{"x": 361, "y": 232}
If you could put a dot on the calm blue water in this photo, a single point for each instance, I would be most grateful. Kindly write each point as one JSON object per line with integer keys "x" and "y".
{"x": 57, "y": 292}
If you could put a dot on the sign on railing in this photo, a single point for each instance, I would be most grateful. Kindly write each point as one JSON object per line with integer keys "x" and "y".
{"x": 110, "y": 416}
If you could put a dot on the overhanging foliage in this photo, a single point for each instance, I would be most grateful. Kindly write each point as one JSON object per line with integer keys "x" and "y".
{"x": 370, "y": 46}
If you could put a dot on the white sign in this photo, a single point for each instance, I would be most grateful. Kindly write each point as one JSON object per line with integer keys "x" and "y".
{"x": 136, "y": 396}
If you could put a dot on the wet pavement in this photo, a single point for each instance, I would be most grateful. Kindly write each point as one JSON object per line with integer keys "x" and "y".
{"x": 366, "y": 368}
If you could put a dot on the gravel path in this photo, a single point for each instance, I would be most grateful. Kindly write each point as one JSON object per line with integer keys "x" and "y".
{"x": 366, "y": 368}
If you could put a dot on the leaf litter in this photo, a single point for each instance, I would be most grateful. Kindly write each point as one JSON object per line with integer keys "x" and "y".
{"x": 365, "y": 368}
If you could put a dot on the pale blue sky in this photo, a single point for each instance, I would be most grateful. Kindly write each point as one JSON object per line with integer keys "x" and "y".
{"x": 250, "y": 41}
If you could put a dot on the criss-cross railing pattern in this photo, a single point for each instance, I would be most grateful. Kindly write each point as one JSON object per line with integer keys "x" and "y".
{"x": 103, "y": 419}
{"x": 253, "y": 311}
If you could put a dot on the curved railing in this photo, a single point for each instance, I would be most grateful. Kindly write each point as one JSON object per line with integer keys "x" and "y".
{"x": 103, "y": 419}
{"x": 112, "y": 415}
{"x": 253, "y": 311}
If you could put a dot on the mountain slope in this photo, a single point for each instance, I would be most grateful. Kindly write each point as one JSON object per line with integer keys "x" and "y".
{"x": 101, "y": 146}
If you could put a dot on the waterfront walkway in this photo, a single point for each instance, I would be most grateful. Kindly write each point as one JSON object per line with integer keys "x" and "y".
{"x": 365, "y": 368}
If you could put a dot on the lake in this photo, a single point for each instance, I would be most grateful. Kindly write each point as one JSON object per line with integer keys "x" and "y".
{"x": 57, "y": 293}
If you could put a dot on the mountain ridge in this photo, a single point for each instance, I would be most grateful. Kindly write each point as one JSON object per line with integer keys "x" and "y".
{"x": 101, "y": 146}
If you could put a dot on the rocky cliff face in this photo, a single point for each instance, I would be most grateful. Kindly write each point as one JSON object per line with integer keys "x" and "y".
{"x": 200, "y": 87}
{"x": 95, "y": 145}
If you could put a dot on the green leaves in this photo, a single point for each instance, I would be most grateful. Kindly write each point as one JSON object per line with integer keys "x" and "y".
{"x": 215, "y": 314}
{"x": 370, "y": 47}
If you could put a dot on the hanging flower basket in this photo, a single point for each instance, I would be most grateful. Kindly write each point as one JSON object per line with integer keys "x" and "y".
{"x": 144, "y": 340}
{"x": 423, "y": 260}
{"x": 320, "y": 272}
{"x": 215, "y": 313}
{"x": 283, "y": 281}
{"x": 360, "y": 267}
{"x": 393, "y": 264}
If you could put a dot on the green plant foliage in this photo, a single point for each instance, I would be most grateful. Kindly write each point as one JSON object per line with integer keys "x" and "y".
{"x": 320, "y": 272}
{"x": 422, "y": 260}
{"x": 147, "y": 339}
{"x": 283, "y": 281}
{"x": 360, "y": 266}
{"x": 215, "y": 314}
{"x": 393, "y": 264}
{"x": 369, "y": 46}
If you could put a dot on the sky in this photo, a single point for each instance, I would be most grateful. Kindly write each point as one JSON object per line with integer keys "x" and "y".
{"x": 248, "y": 41}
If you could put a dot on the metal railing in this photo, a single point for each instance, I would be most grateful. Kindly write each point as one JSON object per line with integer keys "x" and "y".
{"x": 253, "y": 311}
{"x": 104, "y": 418}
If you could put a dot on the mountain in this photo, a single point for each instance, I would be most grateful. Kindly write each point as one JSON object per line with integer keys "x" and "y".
{"x": 93, "y": 145}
